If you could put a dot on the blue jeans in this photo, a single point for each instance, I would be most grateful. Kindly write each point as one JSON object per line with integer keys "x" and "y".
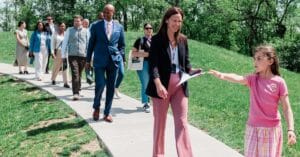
{"x": 120, "y": 74}
{"x": 144, "y": 79}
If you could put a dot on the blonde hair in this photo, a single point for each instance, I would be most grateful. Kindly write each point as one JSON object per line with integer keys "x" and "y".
{"x": 270, "y": 52}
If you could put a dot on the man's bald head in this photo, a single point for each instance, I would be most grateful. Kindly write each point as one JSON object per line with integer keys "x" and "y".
{"x": 108, "y": 12}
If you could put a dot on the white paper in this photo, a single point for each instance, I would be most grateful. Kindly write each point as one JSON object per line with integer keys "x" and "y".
{"x": 135, "y": 63}
{"x": 186, "y": 76}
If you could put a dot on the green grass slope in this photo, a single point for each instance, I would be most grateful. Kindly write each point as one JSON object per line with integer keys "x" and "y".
{"x": 220, "y": 108}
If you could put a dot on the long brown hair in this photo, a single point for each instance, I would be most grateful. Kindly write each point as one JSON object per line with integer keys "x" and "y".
{"x": 270, "y": 52}
{"x": 163, "y": 25}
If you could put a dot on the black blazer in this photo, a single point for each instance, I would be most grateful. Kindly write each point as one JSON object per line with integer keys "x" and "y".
{"x": 160, "y": 62}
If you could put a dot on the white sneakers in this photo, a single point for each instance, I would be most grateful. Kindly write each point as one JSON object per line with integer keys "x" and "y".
{"x": 75, "y": 97}
{"x": 146, "y": 108}
{"x": 117, "y": 93}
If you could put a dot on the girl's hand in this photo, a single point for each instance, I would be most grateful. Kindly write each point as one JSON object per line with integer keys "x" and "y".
{"x": 216, "y": 74}
{"x": 291, "y": 138}
{"x": 161, "y": 91}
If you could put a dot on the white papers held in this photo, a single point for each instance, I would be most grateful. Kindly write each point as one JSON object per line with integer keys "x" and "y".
{"x": 135, "y": 63}
{"x": 186, "y": 76}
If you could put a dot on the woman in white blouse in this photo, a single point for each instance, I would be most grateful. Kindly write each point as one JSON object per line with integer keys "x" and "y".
{"x": 56, "y": 44}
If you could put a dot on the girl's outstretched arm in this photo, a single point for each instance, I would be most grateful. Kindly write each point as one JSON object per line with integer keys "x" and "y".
{"x": 231, "y": 77}
{"x": 288, "y": 114}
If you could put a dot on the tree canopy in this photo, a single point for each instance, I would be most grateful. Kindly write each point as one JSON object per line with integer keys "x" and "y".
{"x": 233, "y": 24}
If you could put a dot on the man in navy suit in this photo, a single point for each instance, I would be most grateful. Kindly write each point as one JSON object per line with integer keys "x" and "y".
{"x": 108, "y": 44}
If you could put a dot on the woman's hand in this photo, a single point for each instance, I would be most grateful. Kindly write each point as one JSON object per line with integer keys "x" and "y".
{"x": 195, "y": 71}
{"x": 88, "y": 66}
{"x": 30, "y": 55}
{"x": 134, "y": 54}
{"x": 161, "y": 91}
{"x": 291, "y": 138}
{"x": 53, "y": 55}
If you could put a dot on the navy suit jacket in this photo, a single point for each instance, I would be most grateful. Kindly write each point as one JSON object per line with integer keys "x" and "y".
{"x": 103, "y": 48}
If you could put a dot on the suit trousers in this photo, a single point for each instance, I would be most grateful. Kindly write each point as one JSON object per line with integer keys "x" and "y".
{"x": 120, "y": 74}
{"x": 100, "y": 81}
{"x": 179, "y": 105}
{"x": 77, "y": 65}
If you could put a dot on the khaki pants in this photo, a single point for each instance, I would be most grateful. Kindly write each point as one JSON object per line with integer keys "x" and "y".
{"x": 57, "y": 64}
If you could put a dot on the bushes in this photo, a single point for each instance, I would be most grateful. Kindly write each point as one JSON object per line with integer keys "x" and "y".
{"x": 289, "y": 54}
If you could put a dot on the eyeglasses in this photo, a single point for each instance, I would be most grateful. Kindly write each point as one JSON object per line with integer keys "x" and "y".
{"x": 148, "y": 28}
{"x": 49, "y": 19}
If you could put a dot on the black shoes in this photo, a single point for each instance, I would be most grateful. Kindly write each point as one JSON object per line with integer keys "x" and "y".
{"x": 25, "y": 72}
{"x": 53, "y": 82}
{"x": 66, "y": 85}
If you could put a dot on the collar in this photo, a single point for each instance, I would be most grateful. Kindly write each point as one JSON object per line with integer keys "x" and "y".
{"x": 78, "y": 28}
{"x": 110, "y": 22}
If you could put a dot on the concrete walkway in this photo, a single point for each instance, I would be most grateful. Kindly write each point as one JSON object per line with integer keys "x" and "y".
{"x": 131, "y": 132}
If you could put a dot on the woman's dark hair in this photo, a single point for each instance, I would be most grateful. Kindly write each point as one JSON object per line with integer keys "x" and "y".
{"x": 37, "y": 26}
{"x": 146, "y": 25}
{"x": 163, "y": 25}
{"x": 60, "y": 23}
{"x": 21, "y": 23}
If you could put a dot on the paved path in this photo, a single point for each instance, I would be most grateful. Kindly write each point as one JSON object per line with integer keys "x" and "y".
{"x": 131, "y": 132}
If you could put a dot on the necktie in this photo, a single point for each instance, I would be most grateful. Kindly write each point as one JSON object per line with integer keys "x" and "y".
{"x": 108, "y": 30}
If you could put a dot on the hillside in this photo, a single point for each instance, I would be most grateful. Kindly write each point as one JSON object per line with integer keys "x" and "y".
{"x": 218, "y": 107}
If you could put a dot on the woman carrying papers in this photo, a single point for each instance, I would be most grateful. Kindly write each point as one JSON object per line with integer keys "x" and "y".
{"x": 168, "y": 58}
{"x": 141, "y": 48}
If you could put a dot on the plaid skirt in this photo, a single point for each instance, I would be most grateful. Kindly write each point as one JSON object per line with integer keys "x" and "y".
{"x": 263, "y": 142}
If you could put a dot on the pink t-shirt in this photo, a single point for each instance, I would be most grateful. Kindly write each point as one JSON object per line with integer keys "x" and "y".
{"x": 264, "y": 98}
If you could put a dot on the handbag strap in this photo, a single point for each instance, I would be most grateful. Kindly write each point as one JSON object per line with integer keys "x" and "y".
{"x": 141, "y": 43}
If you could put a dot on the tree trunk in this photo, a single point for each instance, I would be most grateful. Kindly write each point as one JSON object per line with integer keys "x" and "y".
{"x": 125, "y": 20}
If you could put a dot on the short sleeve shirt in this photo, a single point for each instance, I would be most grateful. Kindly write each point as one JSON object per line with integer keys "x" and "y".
{"x": 264, "y": 98}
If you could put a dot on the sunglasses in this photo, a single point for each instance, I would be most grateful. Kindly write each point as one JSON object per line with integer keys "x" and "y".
{"x": 49, "y": 19}
{"x": 148, "y": 28}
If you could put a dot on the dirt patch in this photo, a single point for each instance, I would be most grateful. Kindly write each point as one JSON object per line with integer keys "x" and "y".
{"x": 91, "y": 147}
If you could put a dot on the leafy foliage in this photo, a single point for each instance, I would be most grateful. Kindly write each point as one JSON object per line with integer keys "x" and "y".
{"x": 237, "y": 25}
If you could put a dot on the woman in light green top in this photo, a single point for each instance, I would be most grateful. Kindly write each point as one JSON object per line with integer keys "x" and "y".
{"x": 22, "y": 47}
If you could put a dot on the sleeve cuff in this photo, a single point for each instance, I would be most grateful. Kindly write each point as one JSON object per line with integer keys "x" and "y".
{"x": 155, "y": 72}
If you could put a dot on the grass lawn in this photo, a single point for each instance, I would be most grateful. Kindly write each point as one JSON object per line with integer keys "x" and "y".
{"x": 35, "y": 123}
{"x": 217, "y": 107}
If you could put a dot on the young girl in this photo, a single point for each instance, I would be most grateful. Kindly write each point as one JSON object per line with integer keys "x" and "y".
{"x": 263, "y": 135}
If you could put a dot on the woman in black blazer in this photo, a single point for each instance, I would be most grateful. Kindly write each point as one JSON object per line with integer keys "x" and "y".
{"x": 168, "y": 58}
